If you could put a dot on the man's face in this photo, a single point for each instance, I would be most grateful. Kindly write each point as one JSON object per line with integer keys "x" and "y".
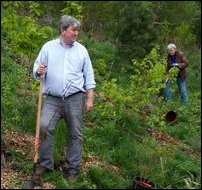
{"x": 70, "y": 34}
{"x": 171, "y": 51}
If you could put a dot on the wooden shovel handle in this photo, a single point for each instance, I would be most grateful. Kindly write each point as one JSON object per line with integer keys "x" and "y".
{"x": 36, "y": 146}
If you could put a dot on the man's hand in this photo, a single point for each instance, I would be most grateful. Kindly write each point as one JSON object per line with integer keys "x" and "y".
{"x": 41, "y": 70}
{"x": 88, "y": 105}
{"x": 89, "y": 100}
{"x": 175, "y": 64}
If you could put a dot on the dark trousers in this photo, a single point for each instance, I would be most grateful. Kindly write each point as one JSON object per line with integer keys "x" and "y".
{"x": 54, "y": 109}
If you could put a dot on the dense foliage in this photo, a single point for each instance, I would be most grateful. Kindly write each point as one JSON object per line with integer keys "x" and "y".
{"x": 127, "y": 44}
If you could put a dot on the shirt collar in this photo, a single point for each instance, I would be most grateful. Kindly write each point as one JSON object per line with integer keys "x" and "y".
{"x": 69, "y": 46}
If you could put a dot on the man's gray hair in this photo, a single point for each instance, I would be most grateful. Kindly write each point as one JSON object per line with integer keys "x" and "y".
{"x": 66, "y": 21}
{"x": 171, "y": 46}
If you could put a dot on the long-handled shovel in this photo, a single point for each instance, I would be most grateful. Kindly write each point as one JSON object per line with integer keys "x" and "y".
{"x": 29, "y": 184}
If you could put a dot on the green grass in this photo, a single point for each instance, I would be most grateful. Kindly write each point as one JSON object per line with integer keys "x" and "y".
{"x": 114, "y": 132}
{"x": 104, "y": 179}
{"x": 60, "y": 142}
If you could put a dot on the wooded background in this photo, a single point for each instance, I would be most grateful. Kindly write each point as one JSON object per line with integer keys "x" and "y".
{"x": 126, "y": 134}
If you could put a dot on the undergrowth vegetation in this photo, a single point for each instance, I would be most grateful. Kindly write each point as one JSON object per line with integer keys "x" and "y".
{"x": 126, "y": 134}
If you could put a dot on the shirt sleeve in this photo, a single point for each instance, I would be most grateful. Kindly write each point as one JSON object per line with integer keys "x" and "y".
{"x": 184, "y": 61}
{"x": 89, "y": 81}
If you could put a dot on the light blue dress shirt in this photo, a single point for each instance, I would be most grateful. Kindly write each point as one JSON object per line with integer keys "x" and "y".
{"x": 69, "y": 69}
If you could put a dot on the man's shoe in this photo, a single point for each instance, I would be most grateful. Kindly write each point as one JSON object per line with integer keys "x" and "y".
{"x": 40, "y": 170}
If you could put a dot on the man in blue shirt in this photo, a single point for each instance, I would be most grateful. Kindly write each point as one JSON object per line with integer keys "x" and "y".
{"x": 68, "y": 83}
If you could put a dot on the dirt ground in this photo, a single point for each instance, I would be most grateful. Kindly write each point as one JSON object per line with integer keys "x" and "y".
{"x": 13, "y": 178}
